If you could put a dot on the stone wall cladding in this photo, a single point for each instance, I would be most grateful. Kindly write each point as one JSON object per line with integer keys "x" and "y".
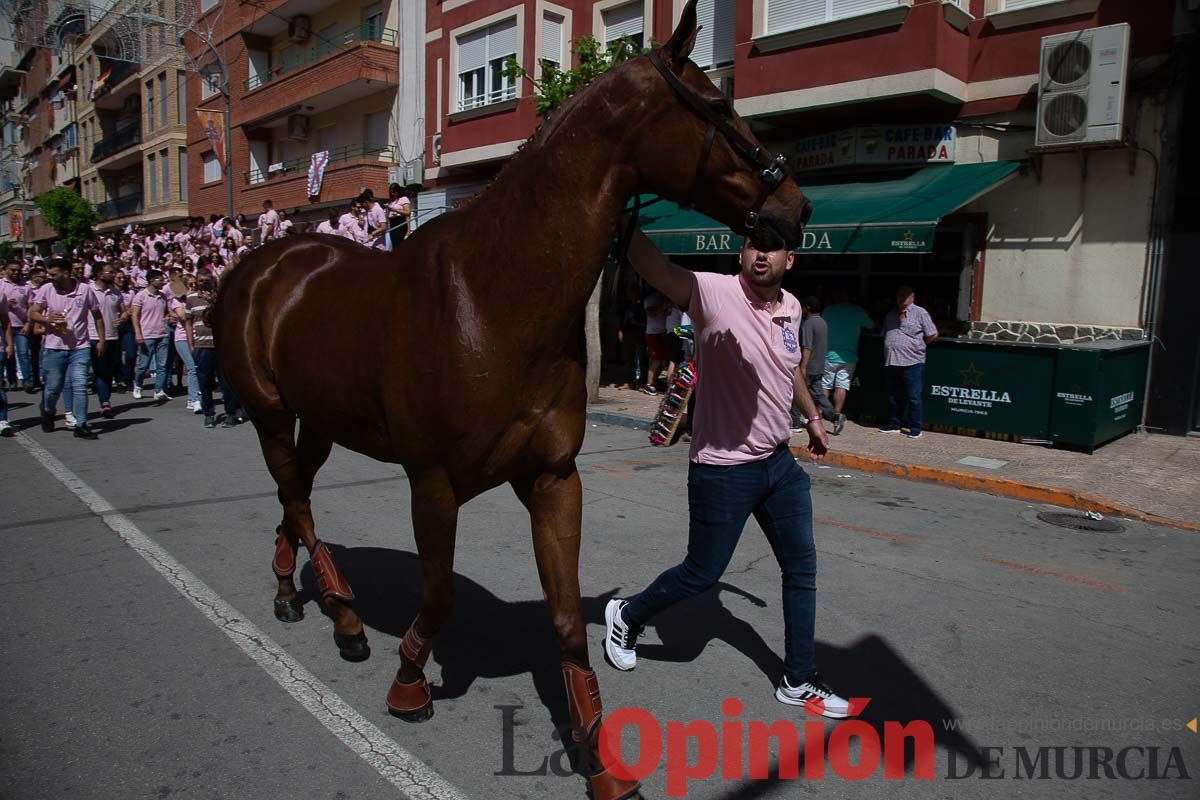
{"x": 1049, "y": 332}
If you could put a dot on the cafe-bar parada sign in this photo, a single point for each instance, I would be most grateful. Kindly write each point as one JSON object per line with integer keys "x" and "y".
{"x": 876, "y": 144}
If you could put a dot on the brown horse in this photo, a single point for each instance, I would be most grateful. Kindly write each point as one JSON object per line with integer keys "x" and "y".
{"x": 459, "y": 355}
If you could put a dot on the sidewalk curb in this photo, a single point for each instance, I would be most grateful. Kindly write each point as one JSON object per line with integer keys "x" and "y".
{"x": 1004, "y": 487}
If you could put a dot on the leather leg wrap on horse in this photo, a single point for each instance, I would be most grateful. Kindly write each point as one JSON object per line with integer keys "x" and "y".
{"x": 284, "y": 562}
{"x": 415, "y": 648}
{"x": 410, "y": 701}
{"x": 583, "y": 699}
{"x": 330, "y": 581}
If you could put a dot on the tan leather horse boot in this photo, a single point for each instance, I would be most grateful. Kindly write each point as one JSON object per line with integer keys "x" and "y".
{"x": 337, "y": 595}
{"x": 287, "y": 605}
{"x": 583, "y": 697}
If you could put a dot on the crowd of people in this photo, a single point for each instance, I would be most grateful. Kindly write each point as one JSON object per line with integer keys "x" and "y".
{"x": 130, "y": 306}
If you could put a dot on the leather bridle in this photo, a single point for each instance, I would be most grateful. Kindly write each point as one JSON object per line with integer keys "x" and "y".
{"x": 772, "y": 170}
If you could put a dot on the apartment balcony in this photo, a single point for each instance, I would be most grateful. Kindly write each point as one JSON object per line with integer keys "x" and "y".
{"x": 120, "y": 82}
{"x": 119, "y": 141}
{"x": 122, "y": 207}
{"x": 344, "y": 178}
{"x": 359, "y": 62}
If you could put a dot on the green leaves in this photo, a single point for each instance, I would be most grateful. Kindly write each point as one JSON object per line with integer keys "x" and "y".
{"x": 69, "y": 214}
{"x": 555, "y": 85}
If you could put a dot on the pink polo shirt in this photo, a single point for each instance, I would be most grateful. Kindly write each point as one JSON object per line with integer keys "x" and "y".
{"x": 17, "y": 297}
{"x": 153, "y": 313}
{"x": 77, "y": 305}
{"x": 110, "y": 308}
{"x": 746, "y": 353}
{"x": 180, "y": 328}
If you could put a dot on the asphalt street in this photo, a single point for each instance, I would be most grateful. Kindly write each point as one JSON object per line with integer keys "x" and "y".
{"x": 952, "y": 607}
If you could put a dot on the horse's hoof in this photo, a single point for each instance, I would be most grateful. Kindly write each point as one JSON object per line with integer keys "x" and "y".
{"x": 352, "y": 647}
{"x": 422, "y": 714}
{"x": 289, "y": 610}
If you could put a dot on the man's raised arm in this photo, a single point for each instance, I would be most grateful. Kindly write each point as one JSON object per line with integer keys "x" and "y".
{"x": 672, "y": 280}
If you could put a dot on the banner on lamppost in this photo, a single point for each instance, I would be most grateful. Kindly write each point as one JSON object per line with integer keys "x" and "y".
{"x": 16, "y": 224}
{"x": 213, "y": 124}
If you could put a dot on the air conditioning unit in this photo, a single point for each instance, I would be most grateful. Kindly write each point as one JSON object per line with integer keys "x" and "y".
{"x": 297, "y": 127}
{"x": 414, "y": 172}
{"x": 1081, "y": 87}
{"x": 299, "y": 28}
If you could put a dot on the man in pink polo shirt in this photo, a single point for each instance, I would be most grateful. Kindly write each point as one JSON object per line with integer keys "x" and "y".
{"x": 148, "y": 312}
{"x": 63, "y": 305}
{"x": 748, "y": 361}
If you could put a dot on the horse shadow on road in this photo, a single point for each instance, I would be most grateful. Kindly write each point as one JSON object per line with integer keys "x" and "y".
{"x": 493, "y": 638}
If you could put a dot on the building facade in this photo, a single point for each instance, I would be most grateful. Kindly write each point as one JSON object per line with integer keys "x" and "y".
{"x": 304, "y": 77}
{"x": 882, "y": 100}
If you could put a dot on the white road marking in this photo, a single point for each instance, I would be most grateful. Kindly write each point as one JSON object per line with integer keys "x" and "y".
{"x": 402, "y": 769}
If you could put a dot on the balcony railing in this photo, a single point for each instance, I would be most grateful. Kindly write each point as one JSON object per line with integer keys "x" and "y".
{"x": 363, "y": 33}
{"x": 486, "y": 99}
{"x": 118, "y": 71}
{"x": 120, "y": 139}
{"x": 122, "y": 207}
{"x": 353, "y": 152}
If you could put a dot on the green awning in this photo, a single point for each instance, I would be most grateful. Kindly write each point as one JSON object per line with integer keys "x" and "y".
{"x": 883, "y": 213}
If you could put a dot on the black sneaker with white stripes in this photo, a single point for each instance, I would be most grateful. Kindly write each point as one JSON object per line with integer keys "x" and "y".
{"x": 619, "y": 639}
{"x": 815, "y": 696}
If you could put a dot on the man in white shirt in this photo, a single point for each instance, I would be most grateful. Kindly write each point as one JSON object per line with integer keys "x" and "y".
{"x": 330, "y": 225}
{"x": 268, "y": 222}
{"x": 284, "y": 227}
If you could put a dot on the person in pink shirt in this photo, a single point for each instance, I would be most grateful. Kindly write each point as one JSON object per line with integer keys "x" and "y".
{"x": 106, "y": 362}
{"x": 748, "y": 361}
{"x": 268, "y": 223}
{"x": 148, "y": 312}
{"x": 177, "y": 308}
{"x": 16, "y": 292}
{"x": 352, "y": 226}
{"x": 375, "y": 220}
{"x": 330, "y": 225}
{"x": 6, "y": 332}
{"x": 399, "y": 209}
{"x": 63, "y": 305}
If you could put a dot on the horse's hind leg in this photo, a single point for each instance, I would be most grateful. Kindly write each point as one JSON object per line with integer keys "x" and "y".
{"x": 435, "y": 519}
{"x": 555, "y": 504}
{"x": 294, "y": 464}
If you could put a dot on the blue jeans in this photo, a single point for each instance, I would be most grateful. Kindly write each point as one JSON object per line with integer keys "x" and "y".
{"x": 720, "y": 500}
{"x": 206, "y": 368}
{"x": 189, "y": 364}
{"x": 904, "y": 387}
{"x": 129, "y": 351}
{"x": 156, "y": 349}
{"x": 104, "y": 369}
{"x": 19, "y": 368}
{"x": 66, "y": 369}
{"x": 3, "y": 403}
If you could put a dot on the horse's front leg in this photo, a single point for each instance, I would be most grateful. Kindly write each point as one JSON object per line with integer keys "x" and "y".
{"x": 555, "y": 504}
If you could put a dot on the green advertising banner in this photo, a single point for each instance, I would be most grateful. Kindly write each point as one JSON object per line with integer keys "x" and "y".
{"x": 989, "y": 387}
{"x": 720, "y": 241}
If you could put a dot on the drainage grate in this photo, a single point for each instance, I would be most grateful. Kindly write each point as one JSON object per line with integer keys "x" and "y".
{"x": 1080, "y": 522}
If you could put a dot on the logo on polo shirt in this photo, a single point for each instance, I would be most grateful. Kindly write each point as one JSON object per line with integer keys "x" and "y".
{"x": 789, "y": 339}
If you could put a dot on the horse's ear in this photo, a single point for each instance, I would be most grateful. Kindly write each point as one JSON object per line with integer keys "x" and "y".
{"x": 680, "y": 45}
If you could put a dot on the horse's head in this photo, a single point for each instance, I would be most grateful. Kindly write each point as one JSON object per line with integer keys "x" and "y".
{"x": 697, "y": 151}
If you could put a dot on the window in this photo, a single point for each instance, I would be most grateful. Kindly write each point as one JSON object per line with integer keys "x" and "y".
{"x": 327, "y": 138}
{"x": 212, "y": 167}
{"x": 375, "y": 130}
{"x": 552, "y": 39}
{"x": 206, "y": 5}
{"x": 372, "y": 25}
{"x": 181, "y": 97}
{"x": 162, "y": 99}
{"x": 165, "y": 165}
{"x": 183, "y": 170}
{"x": 150, "y": 105}
{"x": 210, "y": 82}
{"x": 152, "y": 165}
{"x": 786, "y": 15}
{"x": 260, "y": 159}
{"x": 621, "y": 21}
{"x": 481, "y": 57}
{"x": 714, "y": 43}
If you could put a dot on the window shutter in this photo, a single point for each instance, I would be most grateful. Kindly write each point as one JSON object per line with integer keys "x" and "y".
{"x": 552, "y": 38}
{"x": 472, "y": 51}
{"x": 502, "y": 40}
{"x": 785, "y": 15}
{"x": 624, "y": 20}
{"x": 850, "y": 8}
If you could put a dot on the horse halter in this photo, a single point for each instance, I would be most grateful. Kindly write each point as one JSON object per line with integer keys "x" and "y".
{"x": 772, "y": 170}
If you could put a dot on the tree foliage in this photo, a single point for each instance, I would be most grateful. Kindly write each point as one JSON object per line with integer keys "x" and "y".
{"x": 556, "y": 85}
{"x": 69, "y": 214}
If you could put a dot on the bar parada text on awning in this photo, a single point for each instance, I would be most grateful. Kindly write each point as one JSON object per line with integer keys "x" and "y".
{"x": 891, "y": 212}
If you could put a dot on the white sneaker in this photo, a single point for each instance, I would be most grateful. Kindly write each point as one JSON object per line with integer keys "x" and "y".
{"x": 69, "y": 417}
{"x": 197, "y": 408}
{"x": 619, "y": 639}
{"x": 191, "y": 405}
{"x": 6, "y": 428}
{"x": 161, "y": 396}
{"x": 137, "y": 393}
{"x": 816, "y": 697}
